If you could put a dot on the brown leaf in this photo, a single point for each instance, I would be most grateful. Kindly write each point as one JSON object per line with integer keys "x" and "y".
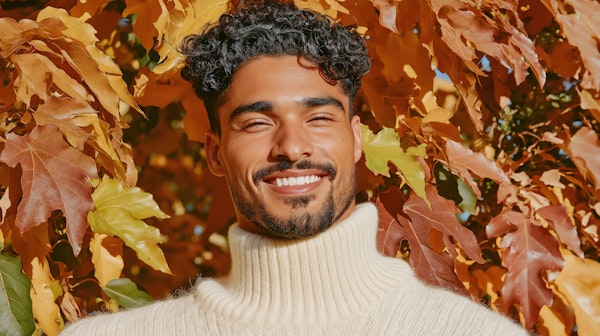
{"x": 584, "y": 148}
{"x": 558, "y": 216}
{"x": 582, "y": 29}
{"x": 442, "y": 217}
{"x": 55, "y": 176}
{"x": 466, "y": 29}
{"x": 461, "y": 156}
{"x": 529, "y": 251}
{"x": 389, "y": 233}
{"x": 430, "y": 266}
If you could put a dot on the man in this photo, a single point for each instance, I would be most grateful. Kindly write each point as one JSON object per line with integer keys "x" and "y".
{"x": 278, "y": 84}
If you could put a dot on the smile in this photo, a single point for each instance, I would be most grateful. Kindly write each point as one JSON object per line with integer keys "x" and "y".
{"x": 296, "y": 181}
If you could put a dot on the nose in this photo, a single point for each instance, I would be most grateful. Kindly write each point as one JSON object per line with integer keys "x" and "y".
{"x": 292, "y": 143}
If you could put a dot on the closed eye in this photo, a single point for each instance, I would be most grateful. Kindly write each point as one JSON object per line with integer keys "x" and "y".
{"x": 255, "y": 125}
{"x": 322, "y": 119}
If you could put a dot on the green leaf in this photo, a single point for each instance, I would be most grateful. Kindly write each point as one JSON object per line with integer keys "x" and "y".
{"x": 469, "y": 199}
{"x": 384, "y": 147}
{"x": 16, "y": 315}
{"x": 126, "y": 293}
{"x": 119, "y": 212}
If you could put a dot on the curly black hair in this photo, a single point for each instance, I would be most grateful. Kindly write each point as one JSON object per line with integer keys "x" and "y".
{"x": 266, "y": 27}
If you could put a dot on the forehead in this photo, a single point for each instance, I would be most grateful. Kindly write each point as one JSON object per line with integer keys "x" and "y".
{"x": 279, "y": 80}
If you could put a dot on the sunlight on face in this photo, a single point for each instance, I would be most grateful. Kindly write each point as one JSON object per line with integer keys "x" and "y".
{"x": 288, "y": 148}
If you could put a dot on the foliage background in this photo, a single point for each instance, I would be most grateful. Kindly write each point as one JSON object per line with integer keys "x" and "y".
{"x": 480, "y": 142}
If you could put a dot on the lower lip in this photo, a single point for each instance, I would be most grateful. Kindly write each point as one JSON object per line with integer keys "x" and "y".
{"x": 297, "y": 189}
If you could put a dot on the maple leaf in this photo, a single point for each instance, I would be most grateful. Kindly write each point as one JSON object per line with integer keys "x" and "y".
{"x": 119, "y": 212}
{"x": 529, "y": 250}
{"x": 384, "y": 147}
{"x": 189, "y": 17}
{"x": 36, "y": 72}
{"x": 66, "y": 114}
{"x": 584, "y": 148}
{"x": 55, "y": 176}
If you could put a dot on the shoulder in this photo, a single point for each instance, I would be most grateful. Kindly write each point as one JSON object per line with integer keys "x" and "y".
{"x": 438, "y": 311}
{"x": 153, "y": 318}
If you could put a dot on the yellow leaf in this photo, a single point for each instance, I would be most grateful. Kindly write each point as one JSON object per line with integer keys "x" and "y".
{"x": 96, "y": 68}
{"x": 557, "y": 320}
{"x": 119, "y": 212}
{"x": 196, "y": 15}
{"x": 579, "y": 282}
{"x": 384, "y": 147}
{"x": 107, "y": 256}
{"x": 435, "y": 113}
{"x": 43, "y": 295}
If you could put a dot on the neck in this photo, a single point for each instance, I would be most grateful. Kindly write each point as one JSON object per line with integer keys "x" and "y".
{"x": 323, "y": 277}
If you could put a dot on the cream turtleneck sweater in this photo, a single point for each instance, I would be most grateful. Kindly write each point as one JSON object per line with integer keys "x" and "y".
{"x": 335, "y": 283}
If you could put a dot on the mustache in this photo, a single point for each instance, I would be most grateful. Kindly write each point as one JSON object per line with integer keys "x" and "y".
{"x": 325, "y": 167}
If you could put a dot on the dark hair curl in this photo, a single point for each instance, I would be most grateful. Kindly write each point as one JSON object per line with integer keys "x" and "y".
{"x": 266, "y": 27}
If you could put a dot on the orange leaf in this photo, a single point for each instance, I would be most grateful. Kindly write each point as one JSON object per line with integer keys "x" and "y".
{"x": 55, "y": 176}
{"x": 579, "y": 281}
{"x": 584, "y": 148}
{"x": 37, "y": 73}
{"x": 63, "y": 113}
{"x": 195, "y": 121}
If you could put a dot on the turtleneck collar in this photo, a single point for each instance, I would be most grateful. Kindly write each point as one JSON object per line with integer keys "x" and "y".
{"x": 324, "y": 277}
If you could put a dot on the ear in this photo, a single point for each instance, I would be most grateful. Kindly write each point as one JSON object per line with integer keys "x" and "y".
{"x": 212, "y": 146}
{"x": 357, "y": 131}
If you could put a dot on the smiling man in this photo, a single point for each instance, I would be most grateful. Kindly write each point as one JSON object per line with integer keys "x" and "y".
{"x": 278, "y": 84}
{"x": 287, "y": 146}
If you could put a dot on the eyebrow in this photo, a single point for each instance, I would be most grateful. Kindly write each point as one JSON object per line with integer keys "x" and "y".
{"x": 265, "y": 106}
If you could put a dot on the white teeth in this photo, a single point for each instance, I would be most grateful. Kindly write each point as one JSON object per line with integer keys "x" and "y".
{"x": 296, "y": 181}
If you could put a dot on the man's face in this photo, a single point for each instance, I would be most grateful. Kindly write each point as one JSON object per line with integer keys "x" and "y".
{"x": 287, "y": 147}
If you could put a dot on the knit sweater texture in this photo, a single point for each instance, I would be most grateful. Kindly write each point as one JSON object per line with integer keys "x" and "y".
{"x": 335, "y": 283}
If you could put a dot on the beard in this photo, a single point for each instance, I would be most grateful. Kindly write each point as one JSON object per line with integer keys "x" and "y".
{"x": 300, "y": 223}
